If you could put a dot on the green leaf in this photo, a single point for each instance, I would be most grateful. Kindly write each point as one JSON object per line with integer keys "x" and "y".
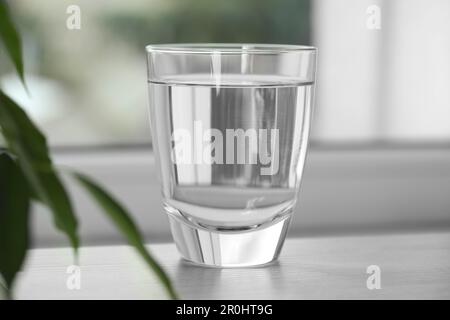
{"x": 4, "y": 292}
{"x": 29, "y": 145}
{"x": 11, "y": 40}
{"x": 125, "y": 224}
{"x": 14, "y": 207}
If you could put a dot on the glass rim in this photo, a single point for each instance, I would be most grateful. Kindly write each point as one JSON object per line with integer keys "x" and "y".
{"x": 227, "y": 48}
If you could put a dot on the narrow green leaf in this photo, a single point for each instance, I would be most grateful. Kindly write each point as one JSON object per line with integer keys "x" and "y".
{"x": 14, "y": 207}
{"x": 125, "y": 224}
{"x": 11, "y": 40}
{"x": 4, "y": 292}
{"x": 29, "y": 145}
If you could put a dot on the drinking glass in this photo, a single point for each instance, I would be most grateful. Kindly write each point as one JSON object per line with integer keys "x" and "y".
{"x": 230, "y": 125}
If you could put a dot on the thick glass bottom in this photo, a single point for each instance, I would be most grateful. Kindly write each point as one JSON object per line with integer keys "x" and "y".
{"x": 214, "y": 248}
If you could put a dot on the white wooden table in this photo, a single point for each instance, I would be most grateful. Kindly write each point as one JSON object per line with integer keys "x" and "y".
{"x": 413, "y": 266}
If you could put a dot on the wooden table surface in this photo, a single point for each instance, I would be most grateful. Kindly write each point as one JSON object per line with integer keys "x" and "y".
{"x": 413, "y": 266}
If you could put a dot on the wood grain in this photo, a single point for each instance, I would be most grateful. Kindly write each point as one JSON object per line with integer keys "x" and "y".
{"x": 413, "y": 266}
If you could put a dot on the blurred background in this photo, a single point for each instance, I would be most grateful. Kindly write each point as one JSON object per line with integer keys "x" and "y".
{"x": 380, "y": 156}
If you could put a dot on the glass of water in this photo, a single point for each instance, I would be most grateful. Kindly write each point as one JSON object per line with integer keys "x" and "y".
{"x": 230, "y": 125}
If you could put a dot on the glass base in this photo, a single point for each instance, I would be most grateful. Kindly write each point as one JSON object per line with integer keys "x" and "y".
{"x": 213, "y": 248}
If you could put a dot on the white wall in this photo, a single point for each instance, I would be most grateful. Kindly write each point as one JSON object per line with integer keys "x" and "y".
{"x": 348, "y": 69}
{"x": 391, "y": 83}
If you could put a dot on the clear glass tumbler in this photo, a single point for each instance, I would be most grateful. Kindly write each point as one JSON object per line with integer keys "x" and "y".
{"x": 230, "y": 125}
